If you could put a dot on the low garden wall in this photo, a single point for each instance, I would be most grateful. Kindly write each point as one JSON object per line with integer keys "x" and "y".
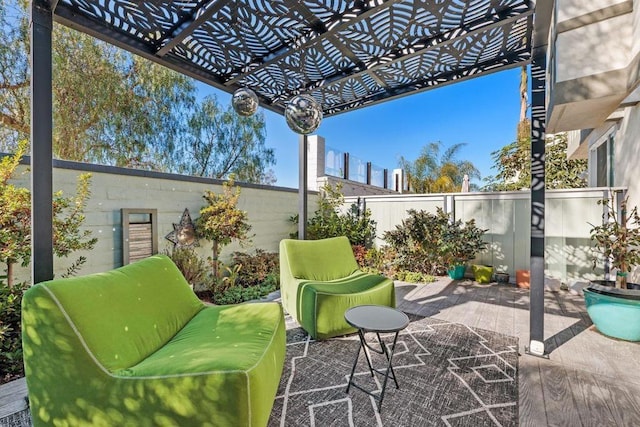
{"x": 269, "y": 209}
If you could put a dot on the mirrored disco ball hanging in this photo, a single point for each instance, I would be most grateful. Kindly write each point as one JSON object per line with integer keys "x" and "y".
{"x": 303, "y": 114}
{"x": 245, "y": 102}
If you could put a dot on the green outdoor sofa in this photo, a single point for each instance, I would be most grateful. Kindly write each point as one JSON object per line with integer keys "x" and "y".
{"x": 320, "y": 280}
{"x": 135, "y": 347}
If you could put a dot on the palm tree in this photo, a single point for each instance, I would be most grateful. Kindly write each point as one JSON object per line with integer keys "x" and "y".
{"x": 433, "y": 172}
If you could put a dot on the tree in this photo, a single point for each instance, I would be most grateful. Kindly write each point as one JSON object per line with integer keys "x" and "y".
{"x": 221, "y": 143}
{"x": 222, "y": 222}
{"x": 15, "y": 219}
{"x": 432, "y": 172}
{"x": 112, "y": 107}
{"x": 513, "y": 163}
{"x": 109, "y": 106}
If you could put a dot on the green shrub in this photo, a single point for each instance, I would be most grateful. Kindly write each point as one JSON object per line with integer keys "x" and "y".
{"x": 431, "y": 243}
{"x": 238, "y": 294}
{"x": 255, "y": 268}
{"x": 414, "y": 277}
{"x": 381, "y": 261}
{"x": 329, "y": 221}
{"x": 192, "y": 267}
{"x": 11, "y": 366}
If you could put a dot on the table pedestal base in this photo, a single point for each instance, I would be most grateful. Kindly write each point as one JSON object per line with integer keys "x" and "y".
{"x": 388, "y": 373}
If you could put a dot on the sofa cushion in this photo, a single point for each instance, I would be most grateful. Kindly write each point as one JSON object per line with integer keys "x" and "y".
{"x": 320, "y": 260}
{"x": 126, "y": 314}
{"x": 219, "y": 338}
{"x": 321, "y": 305}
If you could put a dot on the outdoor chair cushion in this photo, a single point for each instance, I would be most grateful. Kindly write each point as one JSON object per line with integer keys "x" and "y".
{"x": 135, "y": 346}
{"x": 320, "y": 280}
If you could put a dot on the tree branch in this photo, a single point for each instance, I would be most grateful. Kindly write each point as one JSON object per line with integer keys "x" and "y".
{"x": 14, "y": 124}
{"x": 8, "y": 86}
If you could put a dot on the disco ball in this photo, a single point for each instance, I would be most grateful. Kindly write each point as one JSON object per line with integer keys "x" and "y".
{"x": 303, "y": 114}
{"x": 245, "y": 102}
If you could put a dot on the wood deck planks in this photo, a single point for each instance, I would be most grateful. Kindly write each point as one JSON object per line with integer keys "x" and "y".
{"x": 559, "y": 403}
{"x": 531, "y": 397}
{"x": 12, "y": 397}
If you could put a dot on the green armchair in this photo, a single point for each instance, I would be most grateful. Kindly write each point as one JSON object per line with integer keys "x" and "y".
{"x": 135, "y": 347}
{"x": 320, "y": 280}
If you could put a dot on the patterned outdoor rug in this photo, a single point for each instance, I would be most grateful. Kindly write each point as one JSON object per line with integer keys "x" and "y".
{"x": 448, "y": 373}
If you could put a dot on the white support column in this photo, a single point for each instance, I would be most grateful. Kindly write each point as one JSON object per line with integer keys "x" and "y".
{"x": 316, "y": 150}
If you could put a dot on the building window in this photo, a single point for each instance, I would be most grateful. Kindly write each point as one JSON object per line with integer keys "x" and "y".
{"x": 602, "y": 161}
{"x": 611, "y": 156}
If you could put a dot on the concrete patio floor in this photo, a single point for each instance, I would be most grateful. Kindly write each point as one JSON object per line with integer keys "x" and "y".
{"x": 588, "y": 380}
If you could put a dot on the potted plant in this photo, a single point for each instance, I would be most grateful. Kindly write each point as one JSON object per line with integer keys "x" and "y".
{"x": 460, "y": 244}
{"x": 614, "y": 306}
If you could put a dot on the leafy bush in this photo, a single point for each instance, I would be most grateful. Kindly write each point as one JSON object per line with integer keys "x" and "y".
{"x": 256, "y": 267}
{"x": 238, "y": 294}
{"x": 430, "y": 243}
{"x": 11, "y": 366}
{"x": 380, "y": 261}
{"x": 414, "y": 277}
{"x": 360, "y": 254}
{"x": 329, "y": 221}
{"x": 15, "y": 219}
{"x": 192, "y": 267}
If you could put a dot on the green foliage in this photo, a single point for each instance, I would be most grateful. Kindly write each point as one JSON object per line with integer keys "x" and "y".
{"x": 414, "y": 277}
{"x": 15, "y": 216}
{"x": 329, "y": 221}
{"x": 238, "y": 294}
{"x": 221, "y": 143}
{"x": 221, "y": 221}
{"x": 618, "y": 237}
{"x": 513, "y": 163}
{"x": 192, "y": 267}
{"x": 432, "y": 172}
{"x": 113, "y": 107}
{"x": 15, "y": 219}
{"x": 429, "y": 243}
{"x": 257, "y": 268}
{"x": 68, "y": 217}
{"x": 11, "y": 366}
{"x": 377, "y": 260}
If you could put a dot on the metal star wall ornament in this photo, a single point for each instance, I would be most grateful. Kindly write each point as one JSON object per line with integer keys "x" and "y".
{"x": 184, "y": 233}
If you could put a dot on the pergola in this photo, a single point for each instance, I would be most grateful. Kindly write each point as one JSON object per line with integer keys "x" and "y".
{"x": 346, "y": 54}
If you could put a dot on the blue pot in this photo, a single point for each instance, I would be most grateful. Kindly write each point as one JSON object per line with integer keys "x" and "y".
{"x": 615, "y": 312}
{"x": 457, "y": 272}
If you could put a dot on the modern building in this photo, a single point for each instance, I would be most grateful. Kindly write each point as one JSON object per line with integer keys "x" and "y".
{"x": 593, "y": 87}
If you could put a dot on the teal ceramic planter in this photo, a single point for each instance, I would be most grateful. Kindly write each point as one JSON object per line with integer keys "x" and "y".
{"x": 615, "y": 312}
{"x": 457, "y": 272}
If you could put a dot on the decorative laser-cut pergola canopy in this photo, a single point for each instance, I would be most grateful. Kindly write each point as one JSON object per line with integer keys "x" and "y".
{"x": 347, "y": 54}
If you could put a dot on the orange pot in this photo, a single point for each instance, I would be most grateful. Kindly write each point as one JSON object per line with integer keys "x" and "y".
{"x": 522, "y": 278}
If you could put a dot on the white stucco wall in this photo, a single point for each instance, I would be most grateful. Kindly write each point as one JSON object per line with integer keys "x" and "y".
{"x": 568, "y": 9}
{"x": 627, "y": 154}
{"x": 635, "y": 49}
{"x": 595, "y": 48}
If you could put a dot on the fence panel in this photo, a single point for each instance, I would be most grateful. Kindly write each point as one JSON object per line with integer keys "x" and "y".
{"x": 569, "y": 217}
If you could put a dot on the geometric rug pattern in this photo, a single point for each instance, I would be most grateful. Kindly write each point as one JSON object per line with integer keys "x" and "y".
{"x": 449, "y": 375}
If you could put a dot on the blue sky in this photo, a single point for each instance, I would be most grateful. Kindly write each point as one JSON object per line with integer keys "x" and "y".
{"x": 482, "y": 112}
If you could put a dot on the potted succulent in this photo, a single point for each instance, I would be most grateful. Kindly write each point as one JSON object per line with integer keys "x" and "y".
{"x": 614, "y": 306}
{"x": 460, "y": 244}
